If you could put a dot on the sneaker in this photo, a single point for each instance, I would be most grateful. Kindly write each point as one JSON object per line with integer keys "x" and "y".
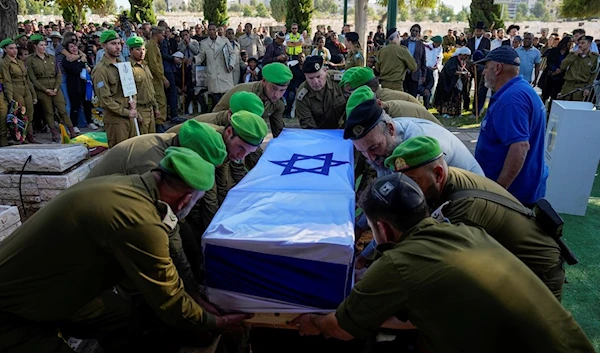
{"x": 93, "y": 126}
{"x": 76, "y": 129}
{"x": 160, "y": 129}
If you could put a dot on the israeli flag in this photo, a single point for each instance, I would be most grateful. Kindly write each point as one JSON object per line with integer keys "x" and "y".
{"x": 283, "y": 240}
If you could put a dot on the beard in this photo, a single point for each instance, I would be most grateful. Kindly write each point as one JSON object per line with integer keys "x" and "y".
{"x": 489, "y": 83}
{"x": 379, "y": 163}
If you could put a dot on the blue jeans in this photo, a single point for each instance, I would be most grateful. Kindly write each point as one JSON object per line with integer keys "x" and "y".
{"x": 63, "y": 88}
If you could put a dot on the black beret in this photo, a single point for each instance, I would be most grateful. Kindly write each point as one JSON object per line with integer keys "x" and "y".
{"x": 312, "y": 64}
{"x": 363, "y": 118}
{"x": 352, "y": 36}
{"x": 390, "y": 32}
{"x": 518, "y": 28}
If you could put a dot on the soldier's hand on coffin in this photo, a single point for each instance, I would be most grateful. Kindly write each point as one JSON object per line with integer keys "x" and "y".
{"x": 306, "y": 325}
{"x": 232, "y": 321}
{"x": 205, "y": 304}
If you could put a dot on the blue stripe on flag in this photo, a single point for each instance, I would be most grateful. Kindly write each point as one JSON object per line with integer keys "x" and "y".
{"x": 299, "y": 281}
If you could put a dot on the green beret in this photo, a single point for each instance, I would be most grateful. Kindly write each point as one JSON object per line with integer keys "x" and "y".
{"x": 277, "y": 73}
{"x": 19, "y": 36}
{"x": 357, "y": 76}
{"x": 36, "y": 37}
{"x": 204, "y": 140}
{"x": 414, "y": 153}
{"x": 6, "y": 42}
{"x": 27, "y": 22}
{"x": 251, "y": 128}
{"x": 96, "y": 25}
{"x": 108, "y": 35}
{"x": 436, "y": 39}
{"x": 361, "y": 94}
{"x": 248, "y": 101}
{"x": 190, "y": 167}
{"x": 135, "y": 42}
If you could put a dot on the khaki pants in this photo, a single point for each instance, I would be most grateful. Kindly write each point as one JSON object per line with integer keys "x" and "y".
{"x": 58, "y": 102}
{"x": 3, "y": 125}
{"x": 24, "y": 98}
{"x": 109, "y": 318}
{"x": 161, "y": 99}
{"x": 398, "y": 86}
{"x": 149, "y": 124}
{"x": 569, "y": 86}
{"x": 118, "y": 130}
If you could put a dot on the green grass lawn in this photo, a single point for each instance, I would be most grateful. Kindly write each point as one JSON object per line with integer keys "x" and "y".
{"x": 465, "y": 121}
{"x": 581, "y": 295}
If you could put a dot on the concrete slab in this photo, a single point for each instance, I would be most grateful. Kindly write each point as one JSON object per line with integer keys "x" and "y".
{"x": 45, "y": 158}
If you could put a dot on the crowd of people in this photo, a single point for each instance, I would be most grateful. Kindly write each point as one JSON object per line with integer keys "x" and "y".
{"x": 439, "y": 215}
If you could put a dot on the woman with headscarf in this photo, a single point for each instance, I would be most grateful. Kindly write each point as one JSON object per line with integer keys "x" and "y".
{"x": 355, "y": 56}
{"x": 16, "y": 84}
{"x": 552, "y": 78}
{"x": 46, "y": 78}
{"x": 320, "y": 50}
{"x": 454, "y": 76}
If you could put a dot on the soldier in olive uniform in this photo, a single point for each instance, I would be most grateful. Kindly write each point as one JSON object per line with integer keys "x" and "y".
{"x": 320, "y": 101}
{"x": 421, "y": 159}
{"x": 361, "y": 76}
{"x": 64, "y": 282}
{"x": 581, "y": 68}
{"x": 232, "y": 170}
{"x": 276, "y": 78}
{"x": 394, "y": 61}
{"x": 354, "y": 58}
{"x": 46, "y": 78}
{"x": 463, "y": 290}
{"x": 141, "y": 154}
{"x": 16, "y": 84}
{"x": 118, "y": 110}
{"x": 155, "y": 64}
{"x": 147, "y": 106}
{"x": 3, "y": 111}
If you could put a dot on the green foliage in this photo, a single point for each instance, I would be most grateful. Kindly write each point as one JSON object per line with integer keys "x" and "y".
{"x": 278, "y": 10}
{"x": 215, "y": 11}
{"x": 371, "y": 12}
{"x": 445, "y": 12}
{"x": 22, "y": 6}
{"x": 420, "y": 4}
{"x": 247, "y": 11}
{"x": 195, "y": 6}
{"x": 522, "y": 13}
{"x": 433, "y": 16}
{"x": 262, "y": 10}
{"x": 486, "y": 11}
{"x": 160, "y": 6}
{"x": 299, "y": 11}
{"x": 582, "y": 9}
{"x": 69, "y": 14}
{"x": 183, "y": 7}
{"x": 402, "y": 13}
{"x": 142, "y": 11}
{"x": 418, "y": 15}
{"x": 326, "y": 6}
{"x": 463, "y": 15}
{"x": 109, "y": 8}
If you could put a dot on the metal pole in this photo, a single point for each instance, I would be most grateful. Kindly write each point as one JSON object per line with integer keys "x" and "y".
{"x": 392, "y": 12}
{"x": 346, "y": 11}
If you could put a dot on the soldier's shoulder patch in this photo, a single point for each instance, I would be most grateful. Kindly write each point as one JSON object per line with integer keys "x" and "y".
{"x": 301, "y": 94}
{"x": 358, "y": 55}
{"x": 170, "y": 219}
{"x": 337, "y": 77}
{"x": 100, "y": 84}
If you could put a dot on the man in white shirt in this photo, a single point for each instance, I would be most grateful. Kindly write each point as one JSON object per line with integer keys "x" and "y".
{"x": 497, "y": 42}
{"x": 433, "y": 59}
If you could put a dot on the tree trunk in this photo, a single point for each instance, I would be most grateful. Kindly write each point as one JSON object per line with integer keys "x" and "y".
{"x": 360, "y": 20}
{"x": 8, "y": 18}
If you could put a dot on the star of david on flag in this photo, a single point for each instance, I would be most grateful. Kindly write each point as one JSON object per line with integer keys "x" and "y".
{"x": 291, "y": 168}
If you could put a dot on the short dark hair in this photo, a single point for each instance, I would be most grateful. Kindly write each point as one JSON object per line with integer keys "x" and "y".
{"x": 212, "y": 24}
{"x": 183, "y": 31}
{"x": 579, "y": 31}
{"x": 376, "y": 210}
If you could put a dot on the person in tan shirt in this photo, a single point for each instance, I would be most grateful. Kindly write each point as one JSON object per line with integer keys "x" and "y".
{"x": 394, "y": 61}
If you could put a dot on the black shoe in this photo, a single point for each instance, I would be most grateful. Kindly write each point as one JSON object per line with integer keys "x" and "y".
{"x": 160, "y": 129}
{"x": 178, "y": 120}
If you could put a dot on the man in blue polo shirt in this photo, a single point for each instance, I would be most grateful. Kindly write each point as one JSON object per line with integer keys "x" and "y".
{"x": 530, "y": 59}
{"x": 510, "y": 149}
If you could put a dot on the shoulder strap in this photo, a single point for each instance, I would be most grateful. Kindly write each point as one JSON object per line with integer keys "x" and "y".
{"x": 492, "y": 197}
